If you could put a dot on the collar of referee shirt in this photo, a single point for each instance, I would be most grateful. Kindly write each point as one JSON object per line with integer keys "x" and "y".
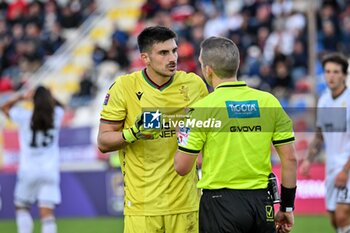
{"x": 232, "y": 84}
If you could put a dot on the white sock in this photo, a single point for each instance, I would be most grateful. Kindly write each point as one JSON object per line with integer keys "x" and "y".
{"x": 48, "y": 225}
{"x": 24, "y": 221}
{"x": 345, "y": 229}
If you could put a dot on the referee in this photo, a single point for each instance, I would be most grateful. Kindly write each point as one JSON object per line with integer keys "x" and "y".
{"x": 236, "y": 154}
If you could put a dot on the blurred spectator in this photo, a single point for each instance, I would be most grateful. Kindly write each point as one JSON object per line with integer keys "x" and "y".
{"x": 89, "y": 7}
{"x": 5, "y": 84}
{"x": 282, "y": 7}
{"x": 35, "y": 14}
{"x": 282, "y": 78}
{"x": 149, "y": 9}
{"x": 52, "y": 14}
{"x": 263, "y": 18}
{"x": 162, "y": 18}
{"x": 87, "y": 91}
{"x": 181, "y": 11}
{"x": 216, "y": 25}
{"x": 196, "y": 37}
{"x": 69, "y": 18}
{"x": 52, "y": 39}
{"x": 328, "y": 12}
{"x": 266, "y": 76}
{"x": 98, "y": 54}
{"x": 3, "y": 8}
{"x": 263, "y": 34}
{"x": 117, "y": 53}
{"x": 299, "y": 59}
{"x": 295, "y": 23}
{"x": 329, "y": 39}
{"x": 345, "y": 45}
{"x": 186, "y": 61}
{"x": 280, "y": 40}
{"x": 16, "y": 11}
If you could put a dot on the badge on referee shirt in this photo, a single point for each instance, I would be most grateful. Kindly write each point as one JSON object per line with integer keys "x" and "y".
{"x": 182, "y": 137}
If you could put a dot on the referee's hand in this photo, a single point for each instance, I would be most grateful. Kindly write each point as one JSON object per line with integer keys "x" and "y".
{"x": 284, "y": 221}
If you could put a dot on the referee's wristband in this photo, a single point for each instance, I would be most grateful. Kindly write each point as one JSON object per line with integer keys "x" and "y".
{"x": 287, "y": 199}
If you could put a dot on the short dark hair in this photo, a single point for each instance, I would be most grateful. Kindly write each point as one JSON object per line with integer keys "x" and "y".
{"x": 152, "y": 35}
{"x": 337, "y": 58}
{"x": 222, "y": 55}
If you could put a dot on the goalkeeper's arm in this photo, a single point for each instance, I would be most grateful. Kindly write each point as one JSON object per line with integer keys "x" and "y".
{"x": 110, "y": 136}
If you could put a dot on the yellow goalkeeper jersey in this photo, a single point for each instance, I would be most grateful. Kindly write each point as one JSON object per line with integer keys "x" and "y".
{"x": 151, "y": 185}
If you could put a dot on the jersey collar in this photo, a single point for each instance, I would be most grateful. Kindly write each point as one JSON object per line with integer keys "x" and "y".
{"x": 153, "y": 84}
{"x": 336, "y": 97}
{"x": 232, "y": 84}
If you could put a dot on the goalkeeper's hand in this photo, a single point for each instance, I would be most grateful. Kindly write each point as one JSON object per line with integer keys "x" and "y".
{"x": 137, "y": 131}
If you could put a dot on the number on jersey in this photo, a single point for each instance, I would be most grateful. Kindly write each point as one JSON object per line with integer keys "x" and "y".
{"x": 41, "y": 139}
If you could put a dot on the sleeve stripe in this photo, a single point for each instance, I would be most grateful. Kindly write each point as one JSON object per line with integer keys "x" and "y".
{"x": 283, "y": 141}
{"x": 188, "y": 150}
{"x": 108, "y": 121}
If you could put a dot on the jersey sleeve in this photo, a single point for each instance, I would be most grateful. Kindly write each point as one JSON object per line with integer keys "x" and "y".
{"x": 203, "y": 89}
{"x": 283, "y": 132}
{"x": 114, "y": 105}
{"x": 19, "y": 114}
{"x": 200, "y": 84}
{"x": 191, "y": 138}
{"x": 59, "y": 114}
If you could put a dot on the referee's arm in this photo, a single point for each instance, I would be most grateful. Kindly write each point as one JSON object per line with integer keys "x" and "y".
{"x": 184, "y": 160}
{"x": 289, "y": 165}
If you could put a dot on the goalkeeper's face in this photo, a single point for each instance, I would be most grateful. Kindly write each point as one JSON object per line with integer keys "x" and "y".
{"x": 162, "y": 58}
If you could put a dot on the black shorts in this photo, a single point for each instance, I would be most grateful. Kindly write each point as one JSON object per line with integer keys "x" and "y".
{"x": 236, "y": 211}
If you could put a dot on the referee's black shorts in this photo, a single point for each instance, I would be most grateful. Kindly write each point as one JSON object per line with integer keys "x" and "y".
{"x": 236, "y": 211}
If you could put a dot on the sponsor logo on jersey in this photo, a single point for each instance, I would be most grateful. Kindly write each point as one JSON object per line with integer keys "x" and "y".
{"x": 245, "y": 128}
{"x": 139, "y": 95}
{"x": 182, "y": 137}
{"x": 105, "y": 102}
{"x": 243, "y": 109}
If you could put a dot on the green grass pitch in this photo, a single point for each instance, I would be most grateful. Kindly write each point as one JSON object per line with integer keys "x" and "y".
{"x": 303, "y": 224}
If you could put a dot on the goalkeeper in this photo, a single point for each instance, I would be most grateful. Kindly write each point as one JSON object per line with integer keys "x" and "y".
{"x": 156, "y": 198}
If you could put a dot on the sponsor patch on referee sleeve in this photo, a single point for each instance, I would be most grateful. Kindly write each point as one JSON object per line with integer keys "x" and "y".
{"x": 182, "y": 137}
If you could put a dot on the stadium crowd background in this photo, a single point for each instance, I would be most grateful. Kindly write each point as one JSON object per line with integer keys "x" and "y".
{"x": 272, "y": 36}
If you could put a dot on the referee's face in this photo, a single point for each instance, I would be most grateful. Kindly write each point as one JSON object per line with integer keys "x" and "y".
{"x": 162, "y": 59}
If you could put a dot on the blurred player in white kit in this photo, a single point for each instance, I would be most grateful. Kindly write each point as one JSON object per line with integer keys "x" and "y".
{"x": 333, "y": 129}
{"x": 38, "y": 174}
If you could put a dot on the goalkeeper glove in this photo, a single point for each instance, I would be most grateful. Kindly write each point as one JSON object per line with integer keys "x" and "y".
{"x": 137, "y": 131}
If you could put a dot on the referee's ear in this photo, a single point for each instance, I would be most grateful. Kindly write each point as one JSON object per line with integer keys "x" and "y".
{"x": 183, "y": 162}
